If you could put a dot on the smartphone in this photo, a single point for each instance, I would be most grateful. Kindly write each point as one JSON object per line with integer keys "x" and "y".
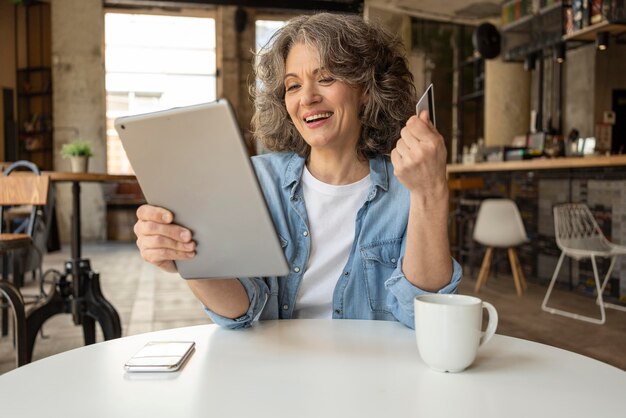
{"x": 160, "y": 356}
{"x": 427, "y": 102}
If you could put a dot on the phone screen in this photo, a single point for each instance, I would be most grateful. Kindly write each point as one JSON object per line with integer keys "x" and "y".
{"x": 157, "y": 356}
{"x": 427, "y": 102}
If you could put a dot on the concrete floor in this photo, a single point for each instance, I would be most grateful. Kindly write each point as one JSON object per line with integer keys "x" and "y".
{"x": 149, "y": 300}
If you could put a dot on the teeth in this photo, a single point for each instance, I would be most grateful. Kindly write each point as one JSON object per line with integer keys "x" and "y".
{"x": 318, "y": 116}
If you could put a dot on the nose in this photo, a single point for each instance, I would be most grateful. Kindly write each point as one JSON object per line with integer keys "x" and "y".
{"x": 310, "y": 95}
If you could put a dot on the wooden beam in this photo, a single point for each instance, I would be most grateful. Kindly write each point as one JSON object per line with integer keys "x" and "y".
{"x": 352, "y": 6}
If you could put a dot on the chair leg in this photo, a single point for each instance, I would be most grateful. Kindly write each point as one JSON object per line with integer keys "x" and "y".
{"x": 599, "y": 288}
{"x": 520, "y": 272}
{"x": 606, "y": 279}
{"x": 598, "y": 321}
{"x": 484, "y": 270}
{"x": 17, "y": 303}
{"x": 515, "y": 270}
{"x": 544, "y": 304}
{"x": 5, "y": 310}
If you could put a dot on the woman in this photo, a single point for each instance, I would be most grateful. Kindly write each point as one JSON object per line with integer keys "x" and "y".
{"x": 357, "y": 188}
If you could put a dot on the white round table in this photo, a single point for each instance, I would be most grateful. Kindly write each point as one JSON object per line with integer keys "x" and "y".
{"x": 313, "y": 368}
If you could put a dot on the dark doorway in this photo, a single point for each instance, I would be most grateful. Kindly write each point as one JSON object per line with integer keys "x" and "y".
{"x": 8, "y": 115}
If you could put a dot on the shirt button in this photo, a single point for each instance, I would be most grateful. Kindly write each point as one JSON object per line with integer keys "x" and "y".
{"x": 338, "y": 311}
{"x": 305, "y": 233}
{"x": 296, "y": 269}
{"x": 346, "y": 273}
{"x": 285, "y": 307}
{"x": 393, "y": 260}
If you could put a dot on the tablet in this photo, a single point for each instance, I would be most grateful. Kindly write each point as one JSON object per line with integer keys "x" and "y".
{"x": 193, "y": 161}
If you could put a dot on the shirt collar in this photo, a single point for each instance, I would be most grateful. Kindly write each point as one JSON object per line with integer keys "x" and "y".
{"x": 293, "y": 172}
{"x": 378, "y": 173}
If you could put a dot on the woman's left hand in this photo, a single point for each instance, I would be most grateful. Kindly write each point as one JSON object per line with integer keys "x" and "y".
{"x": 419, "y": 159}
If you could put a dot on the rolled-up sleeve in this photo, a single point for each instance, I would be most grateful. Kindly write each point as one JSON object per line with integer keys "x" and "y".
{"x": 402, "y": 292}
{"x": 258, "y": 293}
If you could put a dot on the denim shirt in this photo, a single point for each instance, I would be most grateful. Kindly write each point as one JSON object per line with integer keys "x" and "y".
{"x": 372, "y": 285}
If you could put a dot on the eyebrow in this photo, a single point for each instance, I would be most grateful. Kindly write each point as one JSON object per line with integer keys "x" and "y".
{"x": 317, "y": 70}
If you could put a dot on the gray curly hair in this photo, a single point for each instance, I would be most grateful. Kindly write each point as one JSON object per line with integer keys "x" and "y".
{"x": 356, "y": 52}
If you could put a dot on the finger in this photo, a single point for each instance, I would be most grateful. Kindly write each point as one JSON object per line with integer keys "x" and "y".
{"x": 402, "y": 147}
{"x": 160, "y": 241}
{"x": 173, "y": 231}
{"x": 407, "y": 142}
{"x": 396, "y": 159}
{"x": 168, "y": 266}
{"x": 160, "y": 255}
{"x": 421, "y": 128}
{"x": 154, "y": 214}
{"x": 424, "y": 116}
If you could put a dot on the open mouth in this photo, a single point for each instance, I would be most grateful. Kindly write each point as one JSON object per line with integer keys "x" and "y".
{"x": 318, "y": 117}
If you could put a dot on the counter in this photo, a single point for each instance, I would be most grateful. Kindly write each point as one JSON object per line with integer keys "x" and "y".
{"x": 541, "y": 164}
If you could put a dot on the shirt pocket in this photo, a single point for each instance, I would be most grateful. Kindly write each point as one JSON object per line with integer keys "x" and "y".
{"x": 379, "y": 261}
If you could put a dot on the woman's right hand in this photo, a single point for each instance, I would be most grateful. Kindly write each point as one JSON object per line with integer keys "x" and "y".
{"x": 159, "y": 240}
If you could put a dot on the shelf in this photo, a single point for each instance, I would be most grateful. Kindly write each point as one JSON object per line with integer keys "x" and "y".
{"x": 37, "y": 132}
{"x": 518, "y": 23}
{"x": 550, "y": 8}
{"x": 589, "y": 33}
{"x": 541, "y": 164}
{"x": 470, "y": 61}
{"x": 525, "y": 20}
{"x": 35, "y": 94}
{"x": 38, "y": 150}
{"x": 472, "y": 96}
{"x": 34, "y": 70}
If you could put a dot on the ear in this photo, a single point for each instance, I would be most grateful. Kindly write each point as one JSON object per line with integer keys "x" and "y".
{"x": 365, "y": 96}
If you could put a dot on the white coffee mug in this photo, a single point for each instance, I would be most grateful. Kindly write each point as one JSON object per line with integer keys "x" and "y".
{"x": 448, "y": 329}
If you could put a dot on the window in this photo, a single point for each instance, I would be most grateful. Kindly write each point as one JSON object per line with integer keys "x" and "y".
{"x": 264, "y": 29}
{"x": 154, "y": 62}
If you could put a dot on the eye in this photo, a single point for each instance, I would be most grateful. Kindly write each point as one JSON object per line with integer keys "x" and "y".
{"x": 327, "y": 80}
{"x": 292, "y": 86}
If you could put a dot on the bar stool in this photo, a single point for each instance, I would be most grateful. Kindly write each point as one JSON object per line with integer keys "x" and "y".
{"x": 463, "y": 216}
{"x": 499, "y": 225}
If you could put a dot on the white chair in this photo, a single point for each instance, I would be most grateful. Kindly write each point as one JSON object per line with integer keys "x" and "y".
{"x": 499, "y": 225}
{"x": 579, "y": 236}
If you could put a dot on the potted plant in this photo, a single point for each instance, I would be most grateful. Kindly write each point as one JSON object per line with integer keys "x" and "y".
{"x": 78, "y": 152}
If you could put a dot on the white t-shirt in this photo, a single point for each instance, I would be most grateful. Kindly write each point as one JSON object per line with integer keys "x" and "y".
{"x": 331, "y": 210}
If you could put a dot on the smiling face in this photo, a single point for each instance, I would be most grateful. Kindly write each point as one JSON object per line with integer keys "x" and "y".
{"x": 325, "y": 111}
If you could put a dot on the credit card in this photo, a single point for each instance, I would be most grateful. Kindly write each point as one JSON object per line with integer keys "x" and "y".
{"x": 427, "y": 102}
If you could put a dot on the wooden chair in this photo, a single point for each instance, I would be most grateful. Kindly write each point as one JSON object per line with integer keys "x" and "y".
{"x": 29, "y": 189}
{"x": 499, "y": 225}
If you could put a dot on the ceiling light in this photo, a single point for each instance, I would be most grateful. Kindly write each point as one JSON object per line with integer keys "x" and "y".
{"x": 559, "y": 53}
{"x": 602, "y": 40}
{"x": 529, "y": 62}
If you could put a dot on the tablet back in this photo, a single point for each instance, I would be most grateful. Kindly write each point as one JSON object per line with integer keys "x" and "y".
{"x": 193, "y": 161}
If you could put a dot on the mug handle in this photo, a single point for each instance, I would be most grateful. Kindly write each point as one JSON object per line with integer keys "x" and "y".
{"x": 492, "y": 325}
